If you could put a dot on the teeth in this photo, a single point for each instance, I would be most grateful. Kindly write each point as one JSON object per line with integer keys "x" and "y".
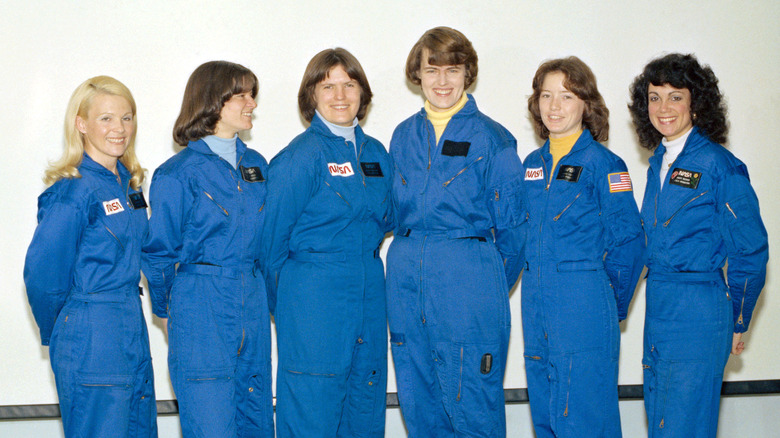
{"x": 116, "y": 140}
{"x": 247, "y": 114}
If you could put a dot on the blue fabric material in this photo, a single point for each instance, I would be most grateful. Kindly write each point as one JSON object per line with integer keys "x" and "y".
{"x": 572, "y": 294}
{"x": 208, "y": 217}
{"x": 448, "y": 277}
{"x": 328, "y": 214}
{"x": 691, "y": 312}
{"x": 82, "y": 273}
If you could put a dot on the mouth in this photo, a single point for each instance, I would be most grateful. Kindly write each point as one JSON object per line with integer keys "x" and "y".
{"x": 339, "y": 107}
{"x": 442, "y": 92}
{"x": 666, "y": 120}
{"x": 116, "y": 141}
{"x": 247, "y": 114}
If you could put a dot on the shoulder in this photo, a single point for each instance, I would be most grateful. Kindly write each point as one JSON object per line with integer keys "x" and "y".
{"x": 182, "y": 160}
{"x": 303, "y": 149}
{"x": 716, "y": 157}
{"x": 411, "y": 123}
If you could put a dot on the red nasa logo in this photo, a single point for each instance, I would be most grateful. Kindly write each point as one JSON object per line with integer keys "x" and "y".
{"x": 113, "y": 206}
{"x": 534, "y": 174}
{"x": 344, "y": 169}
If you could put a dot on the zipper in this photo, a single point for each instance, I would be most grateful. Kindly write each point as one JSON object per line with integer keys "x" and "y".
{"x": 460, "y": 377}
{"x": 243, "y": 336}
{"x": 117, "y": 239}
{"x": 261, "y": 207}
{"x": 498, "y": 206}
{"x": 360, "y": 154}
{"x": 216, "y": 203}
{"x": 339, "y": 194}
{"x": 566, "y": 411}
{"x": 533, "y": 357}
{"x": 422, "y": 301}
{"x": 683, "y": 206}
{"x": 567, "y": 207}
{"x": 742, "y": 305}
{"x": 732, "y": 211}
{"x": 446, "y": 183}
{"x": 403, "y": 181}
{"x": 428, "y": 135}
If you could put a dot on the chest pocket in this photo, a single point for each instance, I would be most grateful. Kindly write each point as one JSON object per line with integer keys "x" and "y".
{"x": 573, "y": 205}
{"x": 109, "y": 220}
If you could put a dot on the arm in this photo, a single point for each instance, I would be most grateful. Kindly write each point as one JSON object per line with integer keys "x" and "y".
{"x": 290, "y": 186}
{"x": 625, "y": 241}
{"x": 170, "y": 202}
{"x": 746, "y": 243}
{"x": 57, "y": 237}
{"x": 507, "y": 198}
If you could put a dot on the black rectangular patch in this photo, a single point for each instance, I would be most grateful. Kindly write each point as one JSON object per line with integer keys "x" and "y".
{"x": 684, "y": 178}
{"x": 372, "y": 169}
{"x": 252, "y": 174}
{"x": 137, "y": 200}
{"x": 487, "y": 363}
{"x": 569, "y": 173}
{"x": 455, "y": 148}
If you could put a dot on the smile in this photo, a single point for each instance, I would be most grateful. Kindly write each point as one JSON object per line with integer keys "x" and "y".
{"x": 116, "y": 140}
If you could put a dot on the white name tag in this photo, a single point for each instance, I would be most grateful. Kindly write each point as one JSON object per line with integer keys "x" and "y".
{"x": 341, "y": 169}
{"x": 534, "y": 174}
{"x": 113, "y": 206}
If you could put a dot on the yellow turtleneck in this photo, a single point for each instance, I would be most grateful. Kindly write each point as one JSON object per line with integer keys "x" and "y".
{"x": 559, "y": 147}
{"x": 439, "y": 119}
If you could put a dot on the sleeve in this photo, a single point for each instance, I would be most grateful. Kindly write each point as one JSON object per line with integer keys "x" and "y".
{"x": 622, "y": 225}
{"x": 290, "y": 186}
{"x": 57, "y": 237}
{"x": 509, "y": 211}
{"x": 169, "y": 201}
{"x": 746, "y": 243}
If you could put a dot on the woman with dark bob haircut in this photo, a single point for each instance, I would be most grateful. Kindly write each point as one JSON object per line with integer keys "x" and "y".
{"x": 329, "y": 210}
{"x": 459, "y": 202}
{"x": 584, "y": 260}
{"x": 207, "y": 217}
{"x": 699, "y": 211}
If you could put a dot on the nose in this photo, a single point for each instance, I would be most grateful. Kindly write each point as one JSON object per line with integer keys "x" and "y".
{"x": 119, "y": 125}
{"x": 555, "y": 103}
{"x": 442, "y": 77}
{"x": 339, "y": 93}
{"x": 252, "y": 104}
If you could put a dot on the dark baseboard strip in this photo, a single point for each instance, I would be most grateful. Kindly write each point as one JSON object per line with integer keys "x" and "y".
{"x": 512, "y": 396}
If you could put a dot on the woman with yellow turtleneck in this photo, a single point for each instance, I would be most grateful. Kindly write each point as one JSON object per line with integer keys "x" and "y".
{"x": 584, "y": 254}
{"x": 459, "y": 205}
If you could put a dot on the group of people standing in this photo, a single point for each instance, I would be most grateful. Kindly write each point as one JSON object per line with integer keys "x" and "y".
{"x": 232, "y": 239}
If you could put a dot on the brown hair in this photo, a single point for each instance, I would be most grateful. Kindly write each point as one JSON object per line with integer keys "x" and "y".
{"x": 319, "y": 68}
{"x": 209, "y": 87}
{"x": 581, "y": 81}
{"x": 446, "y": 46}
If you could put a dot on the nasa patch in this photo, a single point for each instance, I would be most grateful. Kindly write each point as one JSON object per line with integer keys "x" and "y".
{"x": 113, "y": 206}
{"x": 685, "y": 178}
{"x": 534, "y": 174}
{"x": 344, "y": 169}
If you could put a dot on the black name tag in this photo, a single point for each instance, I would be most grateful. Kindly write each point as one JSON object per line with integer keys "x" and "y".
{"x": 372, "y": 169}
{"x": 137, "y": 200}
{"x": 685, "y": 178}
{"x": 455, "y": 148}
{"x": 569, "y": 173}
{"x": 252, "y": 174}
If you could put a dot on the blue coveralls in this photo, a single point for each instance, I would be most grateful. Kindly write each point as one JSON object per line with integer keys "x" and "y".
{"x": 458, "y": 248}
{"x": 572, "y": 295}
{"x": 208, "y": 216}
{"x": 707, "y": 212}
{"x": 82, "y": 273}
{"x": 328, "y": 214}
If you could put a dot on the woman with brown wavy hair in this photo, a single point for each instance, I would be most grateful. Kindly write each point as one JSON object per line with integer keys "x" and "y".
{"x": 583, "y": 257}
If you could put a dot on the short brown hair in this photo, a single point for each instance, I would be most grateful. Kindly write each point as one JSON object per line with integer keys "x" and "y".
{"x": 319, "y": 68}
{"x": 446, "y": 46}
{"x": 580, "y": 80}
{"x": 209, "y": 87}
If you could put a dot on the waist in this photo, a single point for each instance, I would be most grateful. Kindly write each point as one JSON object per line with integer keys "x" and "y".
{"x": 232, "y": 272}
{"x": 567, "y": 266}
{"x": 107, "y": 296}
{"x": 310, "y": 256}
{"x": 690, "y": 277}
{"x": 461, "y": 233}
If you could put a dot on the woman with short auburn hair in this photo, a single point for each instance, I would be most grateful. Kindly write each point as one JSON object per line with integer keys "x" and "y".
{"x": 83, "y": 269}
{"x": 700, "y": 213}
{"x": 328, "y": 212}
{"x": 202, "y": 258}
{"x": 583, "y": 258}
{"x": 459, "y": 202}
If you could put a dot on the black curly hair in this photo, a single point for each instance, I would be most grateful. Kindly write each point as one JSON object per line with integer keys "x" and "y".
{"x": 708, "y": 109}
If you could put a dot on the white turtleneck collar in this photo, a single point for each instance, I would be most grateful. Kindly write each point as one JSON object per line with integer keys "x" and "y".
{"x": 673, "y": 149}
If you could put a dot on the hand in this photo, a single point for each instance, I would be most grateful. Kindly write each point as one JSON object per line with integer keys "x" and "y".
{"x": 737, "y": 346}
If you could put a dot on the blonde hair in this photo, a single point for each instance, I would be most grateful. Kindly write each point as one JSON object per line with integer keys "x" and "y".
{"x": 79, "y": 104}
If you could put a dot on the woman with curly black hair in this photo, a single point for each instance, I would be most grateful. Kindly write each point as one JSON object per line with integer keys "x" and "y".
{"x": 699, "y": 210}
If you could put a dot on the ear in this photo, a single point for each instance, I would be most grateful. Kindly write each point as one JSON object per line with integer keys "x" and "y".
{"x": 81, "y": 125}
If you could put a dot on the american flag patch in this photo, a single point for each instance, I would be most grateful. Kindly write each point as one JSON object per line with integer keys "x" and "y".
{"x": 619, "y": 182}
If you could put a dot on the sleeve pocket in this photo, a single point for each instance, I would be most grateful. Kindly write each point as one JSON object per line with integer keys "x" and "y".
{"x": 741, "y": 226}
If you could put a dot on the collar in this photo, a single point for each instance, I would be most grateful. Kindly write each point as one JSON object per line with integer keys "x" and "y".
{"x": 201, "y": 147}
{"x": 88, "y": 163}
{"x": 582, "y": 142}
{"x": 317, "y": 126}
{"x": 469, "y": 109}
{"x": 695, "y": 140}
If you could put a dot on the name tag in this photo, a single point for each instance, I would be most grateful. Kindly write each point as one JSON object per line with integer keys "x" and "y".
{"x": 569, "y": 173}
{"x": 372, "y": 169}
{"x": 341, "y": 169}
{"x": 137, "y": 200}
{"x": 252, "y": 174}
{"x": 113, "y": 206}
{"x": 685, "y": 178}
{"x": 534, "y": 174}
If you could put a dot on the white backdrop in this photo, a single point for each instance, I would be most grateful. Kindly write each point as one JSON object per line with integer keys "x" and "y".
{"x": 49, "y": 47}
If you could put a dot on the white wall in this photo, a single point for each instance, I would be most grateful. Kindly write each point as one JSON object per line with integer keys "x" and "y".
{"x": 49, "y": 47}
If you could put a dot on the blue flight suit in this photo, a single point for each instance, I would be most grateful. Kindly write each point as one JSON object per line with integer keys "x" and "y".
{"x": 82, "y": 273}
{"x": 572, "y": 294}
{"x": 207, "y": 217}
{"x": 705, "y": 213}
{"x": 328, "y": 214}
{"x": 457, "y": 249}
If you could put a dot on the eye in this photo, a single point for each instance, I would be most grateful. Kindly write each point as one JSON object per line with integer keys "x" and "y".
{"x": 105, "y": 118}
{"x": 677, "y": 98}
{"x": 653, "y": 99}
{"x": 127, "y": 118}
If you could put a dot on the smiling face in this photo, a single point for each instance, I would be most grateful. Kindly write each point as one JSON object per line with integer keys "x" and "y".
{"x": 107, "y": 129}
{"x": 669, "y": 109}
{"x": 442, "y": 85}
{"x": 561, "y": 109}
{"x": 338, "y": 97}
{"x": 236, "y": 115}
